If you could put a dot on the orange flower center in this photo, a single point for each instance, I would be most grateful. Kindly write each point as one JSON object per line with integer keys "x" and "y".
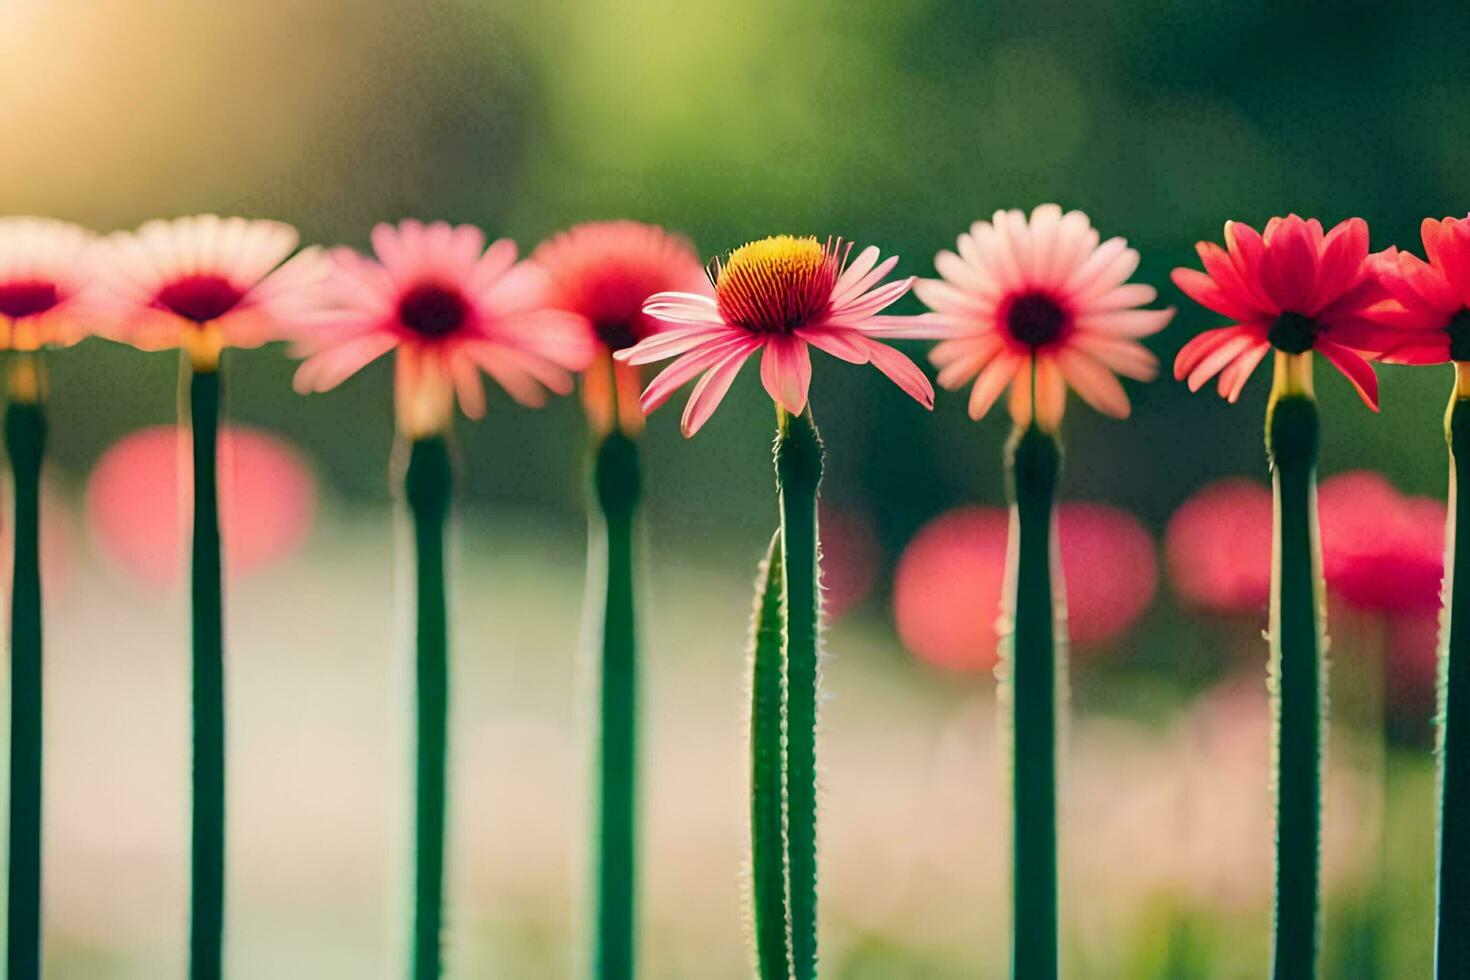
{"x": 776, "y": 284}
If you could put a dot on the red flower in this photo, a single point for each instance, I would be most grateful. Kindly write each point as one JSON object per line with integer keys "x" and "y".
{"x": 1295, "y": 289}
{"x": 1427, "y": 301}
{"x": 948, "y": 589}
{"x": 1218, "y": 547}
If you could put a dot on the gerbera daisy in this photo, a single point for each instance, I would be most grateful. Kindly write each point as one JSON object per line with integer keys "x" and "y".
{"x": 204, "y": 283}
{"x": 778, "y": 295}
{"x": 605, "y": 271}
{"x": 1428, "y": 303}
{"x": 43, "y": 269}
{"x": 1293, "y": 288}
{"x": 451, "y": 308}
{"x": 1039, "y": 305}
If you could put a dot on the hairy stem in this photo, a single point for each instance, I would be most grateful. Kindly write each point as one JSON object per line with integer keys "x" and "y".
{"x": 767, "y": 773}
{"x": 1298, "y": 678}
{"x": 798, "y": 475}
{"x": 1452, "y": 925}
{"x": 1034, "y": 656}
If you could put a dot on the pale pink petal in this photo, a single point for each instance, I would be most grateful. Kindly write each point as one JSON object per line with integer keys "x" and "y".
{"x": 992, "y": 381}
{"x": 1127, "y": 323}
{"x": 673, "y": 342}
{"x": 1094, "y": 383}
{"x": 901, "y": 371}
{"x": 681, "y": 371}
{"x": 786, "y": 372}
{"x": 844, "y": 344}
{"x": 709, "y": 392}
{"x": 336, "y": 364}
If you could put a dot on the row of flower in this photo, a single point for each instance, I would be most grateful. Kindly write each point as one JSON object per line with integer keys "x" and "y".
{"x": 1035, "y": 304}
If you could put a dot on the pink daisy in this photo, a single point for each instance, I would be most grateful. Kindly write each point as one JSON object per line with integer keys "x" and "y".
{"x": 605, "y": 271}
{"x": 43, "y": 269}
{"x": 1040, "y": 305}
{"x": 451, "y": 308}
{"x": 1294, "y": 288}
{"x": 204, "y": 283}
{"x": 778, "y": 295}
{"x": 1428, "y": 303}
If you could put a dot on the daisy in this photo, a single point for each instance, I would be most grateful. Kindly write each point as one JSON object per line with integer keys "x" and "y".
{"x": 44, "y": 267}
{"x": 1040, "y": 305}
{"x": 1427, "y": 303}
{"x": 1293, "y": 288}
{"x": 605, "y": 271}
{"x": 777, "y": 295}
{"x": 451, "y": 308}
{"x": 204, "y": 283}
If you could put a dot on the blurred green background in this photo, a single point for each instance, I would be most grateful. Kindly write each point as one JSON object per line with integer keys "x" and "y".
{"x": 892, "y": 123}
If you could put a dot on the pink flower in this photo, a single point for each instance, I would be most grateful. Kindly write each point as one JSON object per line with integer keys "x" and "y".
{"x": 605, "y": 271}
{"x": 44, "y": 268}
{"x": 1381, "y": 550}
{"x": 451, "y": 308}
{"x": 1295, "y": 289}
{"x": 204, "y": 283}
{"x": 778, "y": 295}
{"x": 1428, "y": 303}
{"x": 949, "y": 586}
{"x": 1218, "y": 547}
{"x": 267, "y": 500}
{"x": 1041, "y": 298}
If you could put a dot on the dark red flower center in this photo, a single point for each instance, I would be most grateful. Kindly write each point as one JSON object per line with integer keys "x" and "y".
{"x": 617, "y": 334}
{"x": 432, "y": 310}
{"x": 1459, "y": 330}
{"x": 1035, "y": 319}
{"x": 199, "y": 298}
{"x": 27, "y": 298}
{"x": 1293, "y": 333}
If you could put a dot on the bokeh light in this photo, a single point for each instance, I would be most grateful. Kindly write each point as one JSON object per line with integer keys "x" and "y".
{"x": 267, "y": 501}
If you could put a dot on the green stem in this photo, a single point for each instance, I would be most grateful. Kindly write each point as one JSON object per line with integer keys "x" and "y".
{"x": 1452, "y": 930}
{"x": 427, "y": 485}
{"x": 616, "y": 479}
{"x": 207, "y": 899}
{"x": 25, "y": 439}
{"x": 798, "y": 475}
{"x": 1298, "y": 685}
{"x": 1035, "y": 654}
{"x": 767, "y": 808}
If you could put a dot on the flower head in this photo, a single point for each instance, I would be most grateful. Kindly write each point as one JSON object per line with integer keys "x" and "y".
{"x": 1427, "y": 303}
{"x": 605, "y": 271}
{"x": 204, "y": 283}
{"x": 778, "y": 295}
{"x": 1294, "y": 288}
{"x": 44, "y": 268}
{"x": 451, "y": 308}
{"x": 1381, "y": 550}
{"x": 1039, "y": 305}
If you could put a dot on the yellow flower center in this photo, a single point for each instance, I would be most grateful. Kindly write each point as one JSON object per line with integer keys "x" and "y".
{"x": 776, "y": 284}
